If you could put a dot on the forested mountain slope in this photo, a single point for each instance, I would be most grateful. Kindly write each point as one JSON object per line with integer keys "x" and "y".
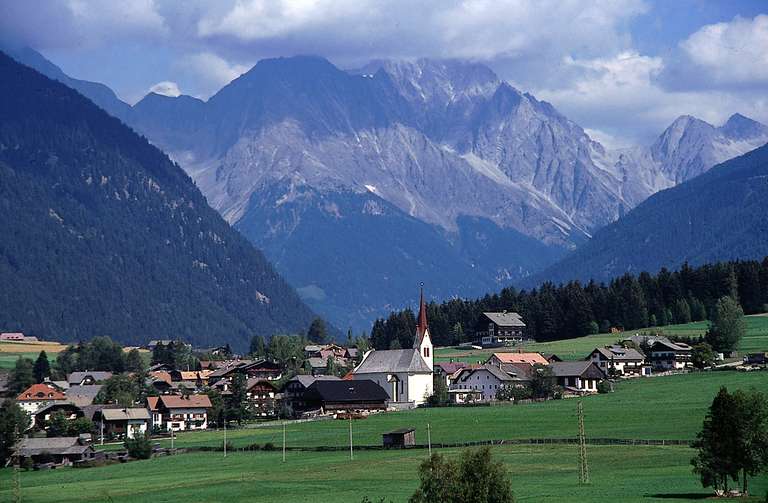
{"x": 720, "y": 215}
{"x": 103, "y": 235}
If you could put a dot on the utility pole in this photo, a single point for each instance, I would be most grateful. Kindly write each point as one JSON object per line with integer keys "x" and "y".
{"x": 225, "y": 439}
{"x": 283, "y": 441}
{"x": 583, "y": 465}
{"x": 351, "y": 454}
{"x": 101, "y": 429}
{"x": 172, "y": 431}
{"x": 429, "y": 440}
{"x": 16, "y": 476}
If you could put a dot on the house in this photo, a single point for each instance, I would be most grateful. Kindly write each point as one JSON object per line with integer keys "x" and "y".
{"x": 405, "y": 374}
{"x": 69, "y": 410}
{"x": 294, "y": 389}
{"x": 262, "y": 395}
{"x": 446, "y": 371}
{"x": 83, "y": 395}
{"x": 355, "y": 396}
{"x": 262, "y": 369}
{"x": 517, "y": 357}
{"x": 180, "y": 412}
{"x": 156, "y": 416}
{"x": 667, "y": 355}
{"x": 500, "y": 329}
{"x": 123, "y": 423}
{"x": 62, "y": 451}
{"x": 577, "y": 377}
{"x": 486, "y": 379}
{"x": 38, "y": 396}
{"x": 405, "y": 437}
{"x": 620, "y": 361}
{"x": 87, "y": 377}
{"x": 12, "y": 337}
{"x": 551, "y": 357}
{"x": 756, "y": 358}
{"x": 199, "y": 377}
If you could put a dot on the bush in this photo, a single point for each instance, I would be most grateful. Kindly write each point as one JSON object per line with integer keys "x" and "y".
{"x": 269, "y": 446}
{"x": 139, "y": 447}
{"x": 604, "y": 387}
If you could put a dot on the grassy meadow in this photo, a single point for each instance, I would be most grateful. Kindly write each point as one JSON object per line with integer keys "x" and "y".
{"x": 538, "y": 473}
{"x": 756, "y": 339}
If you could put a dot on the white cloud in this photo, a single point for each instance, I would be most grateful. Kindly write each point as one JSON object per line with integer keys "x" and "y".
{"x": 735, "y": 52}
{"x": 166, "y": 88}
{"x": 621, "y": 97}
{"x": 209, "y": 71}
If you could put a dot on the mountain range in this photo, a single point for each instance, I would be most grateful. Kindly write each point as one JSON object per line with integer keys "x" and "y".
{"x": 360, "y": 184}
{"x": 104, "y": 235}
{"x": 722, "y": 213}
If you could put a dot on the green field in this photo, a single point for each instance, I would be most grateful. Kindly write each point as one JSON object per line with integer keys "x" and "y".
{"x": 538, "y": 473}
{"x": 669, "y": 407}
{"x": 8, "y": 360}
{"x": 756, "y": 339}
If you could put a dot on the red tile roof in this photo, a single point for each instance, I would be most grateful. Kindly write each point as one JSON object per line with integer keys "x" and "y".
{"x": 152, "y": 402}
{"x": 38, "y": 392}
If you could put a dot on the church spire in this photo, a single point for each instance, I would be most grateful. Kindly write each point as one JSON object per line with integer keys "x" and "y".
{"x": 421, "y": 320}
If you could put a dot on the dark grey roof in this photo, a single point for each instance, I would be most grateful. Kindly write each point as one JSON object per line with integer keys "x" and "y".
{"x": 506, "y": 319}
{"x": 585, "y": 369}
{"x": 357, "y": 390}
{"x": 393, "y": 360}
{"x": 307, "y": 380}
{"x": 98, "y": 375}
{"x": 83, "y": 395}
{"x": 646, "y": 339}
{"x": 55, "y": 445}
{"x": 619, "y": 353}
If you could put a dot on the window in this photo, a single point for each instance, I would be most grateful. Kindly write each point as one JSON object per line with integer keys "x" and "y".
{"x": 426, "y": 352}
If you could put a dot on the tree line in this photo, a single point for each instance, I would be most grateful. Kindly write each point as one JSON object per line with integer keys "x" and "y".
{"x": 570, "y": 310}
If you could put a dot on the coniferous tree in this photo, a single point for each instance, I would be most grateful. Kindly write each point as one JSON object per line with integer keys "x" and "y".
{"x": 42, "y": 368}
{"x": 13, "y": 423}
{"x": 22, "y": 376}
{"x": 134, "y": 362}
{"x": 717, "y": 458}
{"x": 317, "y": 332}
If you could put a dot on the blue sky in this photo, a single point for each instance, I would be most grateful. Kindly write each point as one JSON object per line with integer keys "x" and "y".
{"x": 622, "y": 69}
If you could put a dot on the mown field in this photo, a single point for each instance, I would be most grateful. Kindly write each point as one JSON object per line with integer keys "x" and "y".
{"x": 538, "y": 473}
{"x": 756, "y": 339}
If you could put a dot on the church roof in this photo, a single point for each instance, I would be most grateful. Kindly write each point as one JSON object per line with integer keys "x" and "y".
{"x": 393, "y": 360}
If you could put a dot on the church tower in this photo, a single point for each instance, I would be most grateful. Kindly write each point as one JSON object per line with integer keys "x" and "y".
{"x": 423, "y": 341}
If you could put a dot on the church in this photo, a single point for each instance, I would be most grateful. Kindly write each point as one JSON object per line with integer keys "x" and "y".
{"x": 405, "y": 374}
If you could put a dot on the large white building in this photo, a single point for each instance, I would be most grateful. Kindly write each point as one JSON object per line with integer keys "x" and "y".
{"x": 405, "y": 374}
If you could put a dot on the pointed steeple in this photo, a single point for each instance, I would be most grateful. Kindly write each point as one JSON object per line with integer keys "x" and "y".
{"x": 421, "y": 320}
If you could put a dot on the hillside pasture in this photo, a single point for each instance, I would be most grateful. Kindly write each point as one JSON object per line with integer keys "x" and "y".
{"x": 755, "y": 339}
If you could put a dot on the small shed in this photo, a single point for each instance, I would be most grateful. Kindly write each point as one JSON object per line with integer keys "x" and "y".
{"x": 405, "y": 437}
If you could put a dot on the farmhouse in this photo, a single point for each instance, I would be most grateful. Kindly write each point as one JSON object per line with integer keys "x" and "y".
{"x": 87, "y": 377}
{"x": 666, "y": 355}
{"x": 262, "y": 369}
{"x": 405, "y": 374}
{"x": 505, "y": 328}
{"x": 355, "y": 396}
{"x": 58, "y": 450}
{"x": 517, "y": 357}
{"x": 38, "y": 396}
{"x": 577, "y": 377}
{"x": 183, "y": 412}
{"x": 262, "y": 395}
{"x": 296, "y": 387}
{"x": 486, "y": 379}
{"x": 70, "y": 412}
{"x": 404, "y": 437}
{"x": 448, "y": 370}
{"x": 620, "y": 361}
{"x": 123, "y": 423}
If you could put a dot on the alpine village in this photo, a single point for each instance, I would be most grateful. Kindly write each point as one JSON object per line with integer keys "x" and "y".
{"x": 385, "y": 274}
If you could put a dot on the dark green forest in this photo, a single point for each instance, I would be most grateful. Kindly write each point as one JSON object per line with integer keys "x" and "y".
{"x": 102, "y": 235}
{"x": 571, "y": 310}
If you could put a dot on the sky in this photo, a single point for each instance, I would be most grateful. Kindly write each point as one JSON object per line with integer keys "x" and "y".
{"x": 622, "y": 69}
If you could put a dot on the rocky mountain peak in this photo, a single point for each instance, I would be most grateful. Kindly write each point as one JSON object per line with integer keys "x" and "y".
{"x": 739, "y": 127}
